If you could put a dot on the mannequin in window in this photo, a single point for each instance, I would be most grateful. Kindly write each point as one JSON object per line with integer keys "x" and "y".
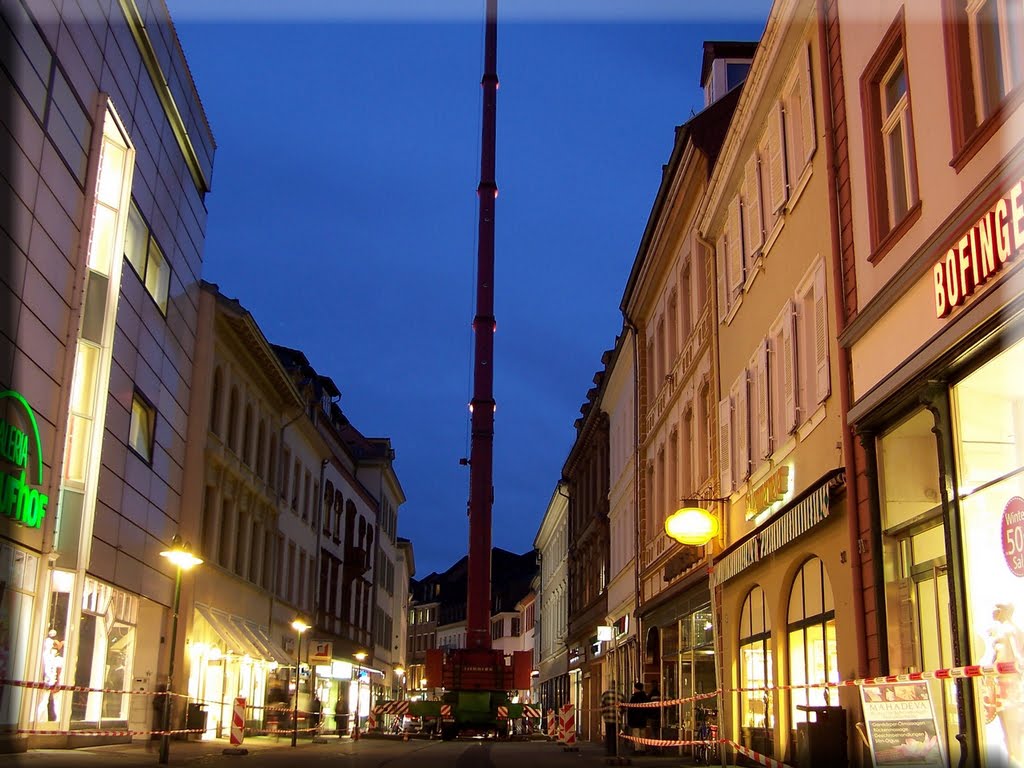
{"x": 1003, "y": 696}
{"x": 53, "y": 665}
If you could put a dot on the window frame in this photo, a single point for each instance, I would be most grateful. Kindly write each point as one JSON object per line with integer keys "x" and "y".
{"x": 150, "y": 409}
{"x": 970, "y": 129}
{"x": 160, "y": 291}
{"x": 885, "y": 232}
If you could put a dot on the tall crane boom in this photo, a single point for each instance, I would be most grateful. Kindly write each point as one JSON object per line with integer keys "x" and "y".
{"x": 481, "y": 456}
{"x": 476, "y": 681}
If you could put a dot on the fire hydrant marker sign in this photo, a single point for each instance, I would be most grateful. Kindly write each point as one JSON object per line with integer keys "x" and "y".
{"x": 901, "y": 725}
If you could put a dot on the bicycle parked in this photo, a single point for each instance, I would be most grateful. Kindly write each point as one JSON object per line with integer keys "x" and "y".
{"x": 706, "y": 753}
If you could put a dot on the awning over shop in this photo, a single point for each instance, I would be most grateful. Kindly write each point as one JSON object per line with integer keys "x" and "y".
{"x": 240, "y": 636}
{"x": 790, "y": 522}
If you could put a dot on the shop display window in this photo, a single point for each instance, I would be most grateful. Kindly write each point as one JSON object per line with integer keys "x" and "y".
{"x": 757, "y": 715}
{"x": 19, "y": 569}
{"x": 919, "y": 625}
{"x": 988, "y": 424}
{"x": 813, "y": 659}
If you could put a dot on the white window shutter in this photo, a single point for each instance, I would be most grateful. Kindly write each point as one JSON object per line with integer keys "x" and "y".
{"x": 734, "y": 246}
{"x": 807, "y": 106}
{"x": 777, "y": 159}
{"x": 789, "y": 373}
{"x": 741, "y": 427}
{"x": 725, "y": 444}
{"x": 764, "y": 425}
{"x": 752, "y": 208}
{"x": 822, "y": 383}
{"x": 722, "y": 278}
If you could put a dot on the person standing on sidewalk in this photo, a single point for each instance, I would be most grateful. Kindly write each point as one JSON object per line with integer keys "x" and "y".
{"x": 636, "y": 717}
{"x": 610, "y": 701}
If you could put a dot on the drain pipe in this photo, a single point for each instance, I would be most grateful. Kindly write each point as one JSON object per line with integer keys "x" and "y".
{"x": 637, "y": 476}
{"x": 843, "y": 354}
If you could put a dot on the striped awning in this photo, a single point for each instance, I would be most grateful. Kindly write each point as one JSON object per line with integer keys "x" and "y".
{"x": 784, "y": 527}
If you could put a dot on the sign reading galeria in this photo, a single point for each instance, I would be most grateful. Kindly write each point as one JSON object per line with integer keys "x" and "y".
{"x": 21, "y": 483}
{"x": 901, "y": 725}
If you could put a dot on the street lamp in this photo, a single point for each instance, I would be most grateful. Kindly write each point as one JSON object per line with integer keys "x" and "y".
{"x": 181, "y": 557}
{"x": 400, "y": 674}
{"x": 693, "y": 524}
{"x": 299, "y": 626}
{"x": 360, "y": 657}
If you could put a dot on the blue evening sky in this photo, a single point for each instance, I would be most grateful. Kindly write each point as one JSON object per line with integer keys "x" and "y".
{"x": 343, "y": 213}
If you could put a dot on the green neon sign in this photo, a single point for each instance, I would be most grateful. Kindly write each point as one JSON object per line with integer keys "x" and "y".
{"x": 19, "y": 501}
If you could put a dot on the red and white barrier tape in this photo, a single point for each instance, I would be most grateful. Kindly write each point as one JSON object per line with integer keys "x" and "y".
{"x": 760, "y": 759}
{"x": 44, "y": 732}
{"x": 666, "y": 742}
{"x": 668, "y": 702}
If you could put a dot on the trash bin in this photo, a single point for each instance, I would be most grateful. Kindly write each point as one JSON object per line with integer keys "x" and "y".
{"x": 195, "y": 720}
{"x": 822, "y": 741}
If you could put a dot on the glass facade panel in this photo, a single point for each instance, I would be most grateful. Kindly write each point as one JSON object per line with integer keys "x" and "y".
{"x": 988, "y": 416}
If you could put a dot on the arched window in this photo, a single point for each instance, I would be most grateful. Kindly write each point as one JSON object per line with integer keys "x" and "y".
{"x": 812, "y": 638}
{"x": 261, "y": 437}
{"x": 757, "y": 718}
{"x": 247, "y": 435}
{"x": 215, "y": 397}
{"x": 232, "y": 436}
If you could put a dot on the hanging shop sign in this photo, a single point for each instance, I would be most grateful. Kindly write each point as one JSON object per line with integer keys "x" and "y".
{"x": 1013, "y": 535}
{"x": 321, "y": 651}
{"x": 772, "y": 490}
{"x": 901, "y": 725}
{"x": 981, "y": 252}
{"x": 21, "y": 499}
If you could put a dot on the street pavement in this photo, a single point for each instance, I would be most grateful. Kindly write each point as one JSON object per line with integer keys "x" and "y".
{"x": 340, "y": 753}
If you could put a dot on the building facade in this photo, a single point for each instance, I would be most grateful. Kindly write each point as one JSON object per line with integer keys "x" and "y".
{"x": 109, "y": 162}
{"x": 933, "y": 227}
{"x": 669, "y": 301}
{"x": 586, "y": 479}
{"x": 551, "y": 655}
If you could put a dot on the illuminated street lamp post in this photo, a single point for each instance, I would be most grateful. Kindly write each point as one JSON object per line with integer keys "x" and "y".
{"x": 400, "y": 674}
{"x": 299, "y": 626}
{"x": 181, "y": 557}
{"x": 360, "y": 657}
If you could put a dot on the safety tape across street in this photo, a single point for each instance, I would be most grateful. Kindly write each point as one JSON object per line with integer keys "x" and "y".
{"x": 667, "y": 702}
{"x": 44, "y": 732}
{"x": 666, "y": 742}
{"x": 760, "y": 759}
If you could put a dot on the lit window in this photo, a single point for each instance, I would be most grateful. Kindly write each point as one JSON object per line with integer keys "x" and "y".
{"x": 889, "y": 135}
{"x": 140, "y": 431}
{"x": 146, "y": 258}
{"x": 813, "y": 655}
{"x": 755, "y": 668}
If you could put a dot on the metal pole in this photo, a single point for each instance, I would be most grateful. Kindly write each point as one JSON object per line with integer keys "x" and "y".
{"x": 359, "y": 671}
{"x": 615, "y": 689}
{"x": 165, "y": 739}
{"x": 720, "y": 699}
{"x": 298, "y": 674}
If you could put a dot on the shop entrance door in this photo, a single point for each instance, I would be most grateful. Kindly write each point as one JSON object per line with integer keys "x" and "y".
{"x": 925, "y": 565}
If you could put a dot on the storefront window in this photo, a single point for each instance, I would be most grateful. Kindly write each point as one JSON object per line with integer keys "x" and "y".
{"x": 19, "y": 569}
{"x": 914, "y": 557}
{"x": 812, "y": 639}
{"x": 757, "y": 716}
{"x": 988, "y": 416}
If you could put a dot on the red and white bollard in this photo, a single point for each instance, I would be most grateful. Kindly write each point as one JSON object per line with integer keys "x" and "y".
{"x": 551, "y": 724}
{"x": 238, "y": 722}
{"x": 568, "y": 726}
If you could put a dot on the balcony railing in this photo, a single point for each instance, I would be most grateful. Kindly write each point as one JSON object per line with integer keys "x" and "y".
{"x": 681, "y": 370}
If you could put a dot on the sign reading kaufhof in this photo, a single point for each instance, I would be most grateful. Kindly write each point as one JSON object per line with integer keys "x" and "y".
{"x": 21, "y": 497}
{"x": 994, "y": 240}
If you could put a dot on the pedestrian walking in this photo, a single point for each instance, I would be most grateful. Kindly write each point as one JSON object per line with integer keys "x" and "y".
{"x": 636, "y": 717}
{"x": 610, "y": 701}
